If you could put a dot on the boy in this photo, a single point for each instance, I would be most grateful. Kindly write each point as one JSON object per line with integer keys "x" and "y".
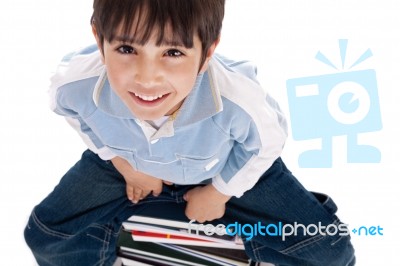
{"x": 167, "y": 120}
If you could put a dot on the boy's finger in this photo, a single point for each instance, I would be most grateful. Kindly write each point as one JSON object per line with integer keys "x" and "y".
{"x": 145, "y": 193}
{"x": 186, "y": 196}
{"x": 137, "y": 194}
{"x": 157, "y": 191}
{"x": 129, "y": 192}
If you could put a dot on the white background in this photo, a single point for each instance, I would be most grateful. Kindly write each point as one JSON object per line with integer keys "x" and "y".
{"x": 281, "y": 37}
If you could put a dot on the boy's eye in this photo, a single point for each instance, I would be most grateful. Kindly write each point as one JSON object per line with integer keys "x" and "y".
{"x": 126, "y": 49}
{"x": 174, "y": 53}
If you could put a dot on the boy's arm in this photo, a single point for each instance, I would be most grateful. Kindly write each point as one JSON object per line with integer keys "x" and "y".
{"x": 259, "y": 135}
{"x": 89, "y": 138}
{"x": 254, "y": 151}
{"x": 71, "y": 96}
{"x": 251, "y": 119}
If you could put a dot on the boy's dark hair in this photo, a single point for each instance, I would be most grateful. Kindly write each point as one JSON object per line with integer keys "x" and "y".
{"x": 184, "y": 17}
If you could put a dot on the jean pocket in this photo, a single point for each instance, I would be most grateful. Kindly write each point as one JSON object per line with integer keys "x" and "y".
{"x": 102, "y": 233}
{"x": 326, "y": 202}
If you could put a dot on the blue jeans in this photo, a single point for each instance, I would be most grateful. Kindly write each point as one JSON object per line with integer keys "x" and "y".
{"x": 78, "y": 223}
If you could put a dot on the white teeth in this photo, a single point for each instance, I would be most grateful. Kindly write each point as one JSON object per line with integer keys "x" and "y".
{"x": 148, "y": 98}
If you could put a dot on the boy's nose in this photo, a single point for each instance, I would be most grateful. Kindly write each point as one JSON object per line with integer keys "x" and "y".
{"x": 147, "y": 75}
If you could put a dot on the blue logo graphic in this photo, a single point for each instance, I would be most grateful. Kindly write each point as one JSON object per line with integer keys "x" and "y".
{"x": 325, "y": 106}
{"x": 368, "y": 231}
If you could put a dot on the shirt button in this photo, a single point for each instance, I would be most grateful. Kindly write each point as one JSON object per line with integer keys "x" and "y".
{"x": 154, "y": 141}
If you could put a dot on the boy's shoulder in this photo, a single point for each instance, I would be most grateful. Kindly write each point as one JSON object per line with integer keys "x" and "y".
{"x": 78, "y": 65}
{"x": 75, "y": 80}
{"x": 242, "y": 67}
{"x": 235, "y": 79}
{"x": 236, "y": 86}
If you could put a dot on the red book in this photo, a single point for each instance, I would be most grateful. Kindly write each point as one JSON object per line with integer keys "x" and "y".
{"x": 164, "y": 235}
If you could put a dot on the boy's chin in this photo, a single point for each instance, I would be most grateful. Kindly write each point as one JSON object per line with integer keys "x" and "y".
{"x": 149, "y": 117}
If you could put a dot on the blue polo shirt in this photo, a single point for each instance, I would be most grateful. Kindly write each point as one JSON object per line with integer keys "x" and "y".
{"x": 228, "y": 129}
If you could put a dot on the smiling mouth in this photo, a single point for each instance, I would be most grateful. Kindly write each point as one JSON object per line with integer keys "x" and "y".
{"x": 148, "y": 99}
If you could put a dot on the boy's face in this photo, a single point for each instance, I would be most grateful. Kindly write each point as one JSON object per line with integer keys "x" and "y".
{"x": 152, "y": 80}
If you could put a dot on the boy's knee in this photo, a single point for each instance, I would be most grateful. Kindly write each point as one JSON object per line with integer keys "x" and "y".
{"x": 38, "y": 237}
{"x": 32, "y": 235}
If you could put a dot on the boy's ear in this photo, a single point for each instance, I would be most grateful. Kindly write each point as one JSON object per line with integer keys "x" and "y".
{"x": 210, "y": 52}
{"x": 98, "y": 41}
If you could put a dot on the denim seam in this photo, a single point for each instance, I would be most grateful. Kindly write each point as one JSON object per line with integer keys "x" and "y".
{"x": 255, "y": 249}
{"x": 352, "y": 261}
{"x": 106, "y": 241}
{"x": 339, "y": 239}
{"x": 106, "y": 244}
{"x": 107, "y": 230}
{"x": 47, "y": 230}
{"x": 302, "y": 244}
{"x": 337, "y": 223}
{"x": 95, "y": 237}
{"x": 100, "y": 226}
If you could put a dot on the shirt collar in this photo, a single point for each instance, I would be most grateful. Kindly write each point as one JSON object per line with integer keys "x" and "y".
{"x": 107, "y": 101}
{"x": 202, "y": 102}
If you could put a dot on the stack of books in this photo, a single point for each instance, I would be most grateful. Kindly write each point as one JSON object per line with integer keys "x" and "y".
{"x": 161, "y": 235}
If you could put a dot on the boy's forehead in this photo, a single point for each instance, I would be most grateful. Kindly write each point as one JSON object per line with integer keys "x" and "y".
{"x": 140, "y": 33}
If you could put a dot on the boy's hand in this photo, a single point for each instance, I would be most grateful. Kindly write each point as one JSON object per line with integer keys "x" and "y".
{"x": 138, "y": 184}
{"x": 205, "y": 203}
